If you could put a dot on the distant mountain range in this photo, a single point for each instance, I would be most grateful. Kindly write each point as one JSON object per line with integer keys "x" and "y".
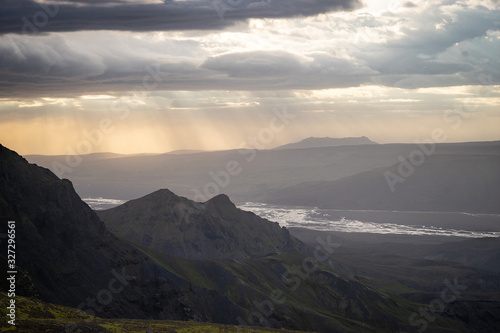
{"x": 447, "y": 183}
{"x": 327, "y": 142}
{"x": 455, "y": 177}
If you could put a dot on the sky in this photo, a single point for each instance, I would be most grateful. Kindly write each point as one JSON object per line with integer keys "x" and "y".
{"x": 130, "y": 76}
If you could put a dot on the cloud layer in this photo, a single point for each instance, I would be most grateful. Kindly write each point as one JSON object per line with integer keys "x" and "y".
{"x": 215, "y": 67}
{"x": 31, "y": 17}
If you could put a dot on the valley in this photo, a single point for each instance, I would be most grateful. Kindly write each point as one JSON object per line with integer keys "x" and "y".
{"x": 250, "y": 264}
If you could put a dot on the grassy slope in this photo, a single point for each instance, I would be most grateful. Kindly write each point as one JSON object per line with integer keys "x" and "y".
{"x": 36, "y": 316}
{"x": 260, "y": 277}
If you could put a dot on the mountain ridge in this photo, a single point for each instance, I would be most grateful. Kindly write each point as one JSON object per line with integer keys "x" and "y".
{"x": 320, "y": 142}
{"x": 72, "y": 258}
{"x": 451, "y": 183}
{"x": 214, "y": 229}
{"x": 263, "y": 171}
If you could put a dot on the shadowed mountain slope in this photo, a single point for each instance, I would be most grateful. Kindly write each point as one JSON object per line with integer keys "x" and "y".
{"x": 175, "y": 225}
{"x": 454, "y": 183}
{"x": 73, "y": 259}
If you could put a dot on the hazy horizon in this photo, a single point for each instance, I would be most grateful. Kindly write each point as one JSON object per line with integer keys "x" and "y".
{"x": 190, "y": 151}
{"x": 211, "y": 75}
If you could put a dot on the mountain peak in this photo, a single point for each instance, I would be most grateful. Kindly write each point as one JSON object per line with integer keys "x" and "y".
{"x": 162, "y": 194}
{"x": 52, "y": 219}
{"x": 314, "y": 142}
{"x": 156, "y": 199}
{"x": 187, "y": 229}
{"x": 221, "y": 200}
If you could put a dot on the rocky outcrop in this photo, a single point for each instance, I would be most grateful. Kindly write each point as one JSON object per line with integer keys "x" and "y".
{"x": 215, "y": 229}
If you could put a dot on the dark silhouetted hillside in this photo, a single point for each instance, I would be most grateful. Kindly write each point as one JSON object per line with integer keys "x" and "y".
{"x": 175, "y": 225}
{"x": 72, "y": 258}
{"x": 454, "y": 183}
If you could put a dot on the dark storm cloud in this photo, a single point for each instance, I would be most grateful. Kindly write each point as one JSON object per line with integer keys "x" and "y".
{"x": 428, "y": 52}
{"x": 30, "y": 17}
{"x": 48, "y": 66}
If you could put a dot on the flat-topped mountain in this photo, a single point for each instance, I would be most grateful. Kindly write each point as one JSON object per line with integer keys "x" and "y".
{"x": 177, "y": 226}
{"x": 313, "y": 142}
